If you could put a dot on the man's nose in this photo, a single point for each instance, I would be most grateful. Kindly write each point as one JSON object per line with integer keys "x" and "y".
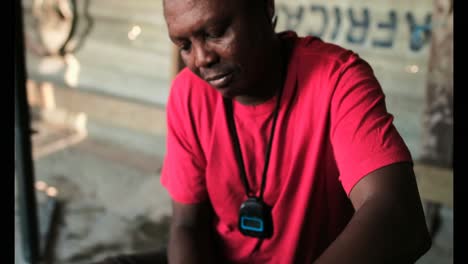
{"x": 204, "y": 57}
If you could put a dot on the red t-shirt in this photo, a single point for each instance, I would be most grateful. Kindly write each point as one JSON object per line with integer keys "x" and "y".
{"x": 332, "y": 130}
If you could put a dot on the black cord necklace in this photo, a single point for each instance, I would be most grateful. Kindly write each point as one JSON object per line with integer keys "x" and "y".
{"x": 255, "y": 218}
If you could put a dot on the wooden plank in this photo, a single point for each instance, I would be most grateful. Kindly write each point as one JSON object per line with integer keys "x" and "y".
{"x": 379, "y": 31}
{"x": 364, "y": 25}
{"x": 150, "y": 164}
{"x": 109, "y": 44}
{"x": 111, "y": 110}
{"x": 435, "y": 183}
{"x": 149, "y": 11}
{"x": 114, "y": 111}
{"x": 109, "y": 80}
{"x": 438, "y": 115}
{"x": 408, "y": 112}
{"x": 111, "y": 59}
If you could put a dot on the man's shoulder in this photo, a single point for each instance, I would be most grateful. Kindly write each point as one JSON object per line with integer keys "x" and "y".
{"x": 325, "y": 60}
{"x": 323, "y": 51}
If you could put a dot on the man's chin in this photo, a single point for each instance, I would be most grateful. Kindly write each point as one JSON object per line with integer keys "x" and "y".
{"x": 226, "y": 92}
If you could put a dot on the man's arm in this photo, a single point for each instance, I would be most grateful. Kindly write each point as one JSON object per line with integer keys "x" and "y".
{"x": 388, "y": 225}
{"x": 191, "y": 234}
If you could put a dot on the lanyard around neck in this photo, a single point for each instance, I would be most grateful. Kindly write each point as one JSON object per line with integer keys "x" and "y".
{"x": 235, "y": 138}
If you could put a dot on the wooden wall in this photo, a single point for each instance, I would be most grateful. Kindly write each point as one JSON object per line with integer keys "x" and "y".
{"x": 109, "y": 60}
{"x": 392, "y": 35}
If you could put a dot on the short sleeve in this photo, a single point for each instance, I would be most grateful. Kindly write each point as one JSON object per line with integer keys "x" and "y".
{"x": 183, "y": 170}
{"x": 363, "y": 135}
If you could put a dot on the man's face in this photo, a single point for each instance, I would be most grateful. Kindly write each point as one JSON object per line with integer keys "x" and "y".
{"x": 225, "y": 42}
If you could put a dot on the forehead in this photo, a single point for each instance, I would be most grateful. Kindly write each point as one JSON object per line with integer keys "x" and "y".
{"x": 186, "y": 14}
{"x": 179, "y": 7}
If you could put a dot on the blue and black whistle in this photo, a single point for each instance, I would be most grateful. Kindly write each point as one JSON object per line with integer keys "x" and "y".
{"x": 255, "y": 219}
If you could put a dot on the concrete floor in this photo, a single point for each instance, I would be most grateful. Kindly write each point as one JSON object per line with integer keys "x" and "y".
{"x": 111, "y": 196}
{"x": 108, "y": 184}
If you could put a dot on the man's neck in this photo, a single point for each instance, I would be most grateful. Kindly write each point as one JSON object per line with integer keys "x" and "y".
{"x": 273, "y": 80}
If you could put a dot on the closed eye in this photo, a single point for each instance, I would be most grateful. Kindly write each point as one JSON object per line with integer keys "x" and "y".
{"x": 185, "y": 46}
{"x": 217, "y": 30}
{"x": 216, "y": 33}
{"x": 182, "y": 45}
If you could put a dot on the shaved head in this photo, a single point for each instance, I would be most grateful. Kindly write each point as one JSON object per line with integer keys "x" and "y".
{"x": 231, "y": 44}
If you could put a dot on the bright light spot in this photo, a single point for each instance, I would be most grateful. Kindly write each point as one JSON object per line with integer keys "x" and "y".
{"x": 412, "y": 68}
{"x": 131, "y": 36}
{"x": 52, "y": 191}
{"x": 50, "y": 65}
{"x": 72, "y": 73}
{"x": 134, "y": 32}
{"x": 41, "y": 186}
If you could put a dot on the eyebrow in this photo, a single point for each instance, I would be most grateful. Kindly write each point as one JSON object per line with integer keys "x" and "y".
{"x": 209, "y": 23}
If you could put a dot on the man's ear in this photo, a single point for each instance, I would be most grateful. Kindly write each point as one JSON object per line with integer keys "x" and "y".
{"x": 270, "y": 9}
{"x": 270, "y": 12}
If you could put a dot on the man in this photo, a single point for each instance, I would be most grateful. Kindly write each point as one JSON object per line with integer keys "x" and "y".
{"x": 280, "y": 148}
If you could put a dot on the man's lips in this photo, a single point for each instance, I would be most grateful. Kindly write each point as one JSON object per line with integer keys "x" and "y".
{"x": 220, "y": 80}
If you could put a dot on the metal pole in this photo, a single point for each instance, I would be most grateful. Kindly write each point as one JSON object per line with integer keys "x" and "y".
{"x": 23, "y": 161}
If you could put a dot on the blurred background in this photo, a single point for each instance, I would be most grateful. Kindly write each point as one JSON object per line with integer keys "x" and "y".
{"x": 97, "y": 79}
